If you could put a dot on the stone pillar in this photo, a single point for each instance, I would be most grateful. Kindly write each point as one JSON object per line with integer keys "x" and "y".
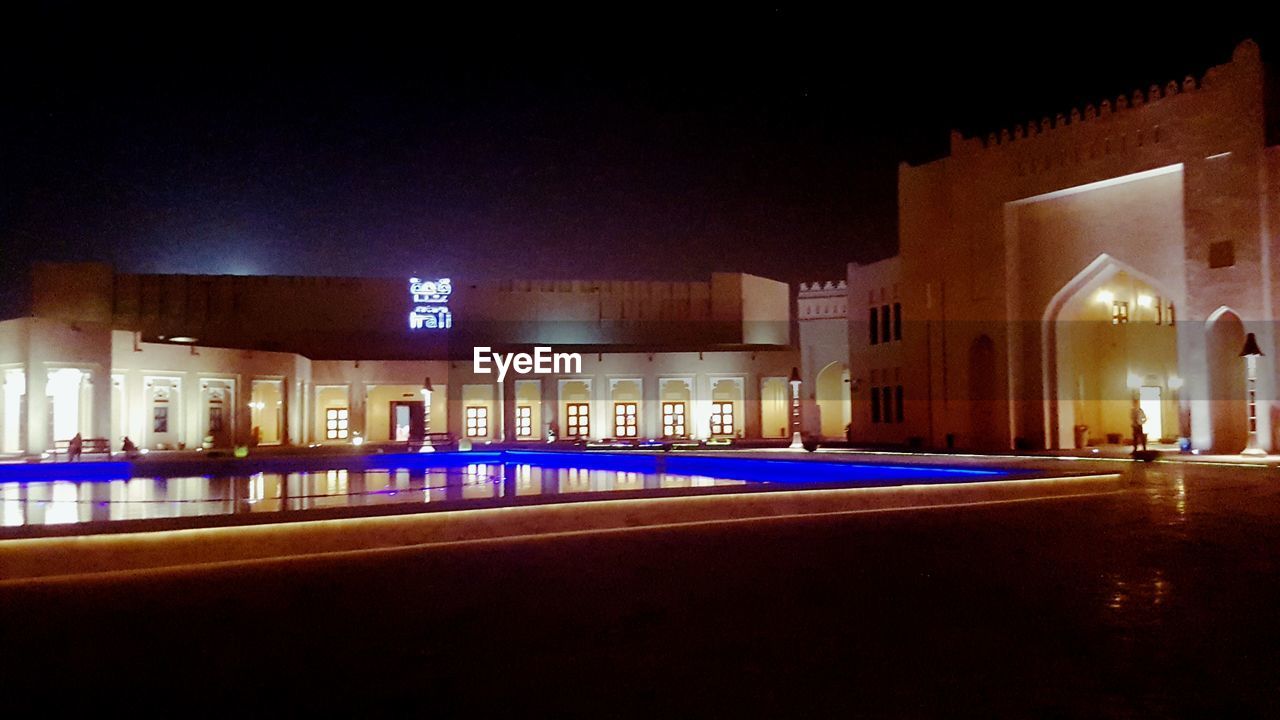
{"x": 38, "y": 439}
{"x": 507, "y": 400}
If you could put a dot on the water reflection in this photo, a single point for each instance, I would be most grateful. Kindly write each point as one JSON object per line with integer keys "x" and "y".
{"x": 141, "y": 498}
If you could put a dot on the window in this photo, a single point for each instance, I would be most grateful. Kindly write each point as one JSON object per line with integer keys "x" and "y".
{"x": 721, "y": 418}
{"x": 886, "y": 401}
{"x": 897, "y": 321}
{"x": 884, "y": 322}
{"x": 673, "y": 420}
{"x": 875, "y": 404}
{"x": 160, "y": 419}
{"x": 477, "y": 421}
{"x": 524, "y": 421}
{"x": 335, "y": 423}
{"x": 1119, "y": 312}
{"x": 624, "y": 420}
{"x": 1222, "y": 254}
{"x": 874, "y": 325}
{"x": 897, "y": 402}
{"x": 579, "y": 415}
{"x": 215, "y": 418}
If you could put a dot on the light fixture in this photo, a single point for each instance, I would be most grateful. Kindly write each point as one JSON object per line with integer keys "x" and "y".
{"x": 182, "y": 339}
{"x": 1144, "y": 301}
{"x": 1106, "y": 297}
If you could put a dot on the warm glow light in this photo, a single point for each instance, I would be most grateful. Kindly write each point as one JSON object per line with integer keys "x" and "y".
{"x": 1175, "y": 382}
{"x": 1135, "y": 381}
{"x": 1106, "y": 297}
{"x": 357, "y": 440}
{"x": 1144, "y": 301}
{"x": 182, "y": 339}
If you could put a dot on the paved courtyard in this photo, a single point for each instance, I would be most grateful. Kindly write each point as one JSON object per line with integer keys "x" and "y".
{"x": 1158, "y": 600}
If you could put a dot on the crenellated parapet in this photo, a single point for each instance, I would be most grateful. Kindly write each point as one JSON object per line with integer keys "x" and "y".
{"x": 823, "y": 300}
{"x": 1106, "y": 112}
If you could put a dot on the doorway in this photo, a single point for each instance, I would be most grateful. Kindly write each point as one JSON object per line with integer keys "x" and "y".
{"x": 1149, "y": 401}
{"x": 407, "y": 420}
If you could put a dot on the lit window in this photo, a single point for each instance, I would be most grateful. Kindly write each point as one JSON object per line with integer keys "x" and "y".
{"x": 721, "y": 418}
{"x": 477, "y": 421}
{"x": 624, "y": 420}
{"x": 524, "y": 421}
{"x": 1119, "y": 312}
{"x": 579, "y": 416}
{"x": 335, "y": 423}
{"x": 673, "y": 420}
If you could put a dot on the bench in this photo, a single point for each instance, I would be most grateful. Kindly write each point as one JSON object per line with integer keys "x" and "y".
{"x": 430, "y": 440}
{"x": 88, "y": 446}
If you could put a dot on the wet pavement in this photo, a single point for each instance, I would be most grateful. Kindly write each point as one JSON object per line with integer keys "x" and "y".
{"x": 1158, "y": 601}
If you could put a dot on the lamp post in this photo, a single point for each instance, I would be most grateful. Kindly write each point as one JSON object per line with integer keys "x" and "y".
{"x": 797, "y": 443}
{"x": 427, "y": 389}
{"x": 1251, "y": 352}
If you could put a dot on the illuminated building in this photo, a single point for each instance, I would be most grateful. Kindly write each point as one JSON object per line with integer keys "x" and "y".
{"x": 181, "y": 361}
{"x": 1051, "y": 274}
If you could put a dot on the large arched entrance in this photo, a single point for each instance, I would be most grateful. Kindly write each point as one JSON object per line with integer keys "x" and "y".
{"x": 831, "y": 393}
{"x": 1110, "y": 340}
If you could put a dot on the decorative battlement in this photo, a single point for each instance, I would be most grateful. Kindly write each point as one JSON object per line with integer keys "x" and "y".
{"x": 1245, "y": 53}
{"x": 823, "y": 289}
{"x": 823, "y": 300}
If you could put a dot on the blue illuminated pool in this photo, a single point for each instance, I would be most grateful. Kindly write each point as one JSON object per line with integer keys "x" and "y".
{"x": 111, "y": 496}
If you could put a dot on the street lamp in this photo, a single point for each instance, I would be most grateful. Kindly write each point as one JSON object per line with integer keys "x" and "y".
{"x": 427, "y": 389}
{"x": 1251, "y": 352}
{"x": 797, "y": 443}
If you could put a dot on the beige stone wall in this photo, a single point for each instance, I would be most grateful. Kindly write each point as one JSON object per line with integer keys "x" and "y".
{"x": 991, "y": 234}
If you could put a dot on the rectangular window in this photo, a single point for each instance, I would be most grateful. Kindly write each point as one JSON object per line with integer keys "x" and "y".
{"x": 477, "y": 421}
{"x": 721, "y": 418}
{"x": 1119, "y": 312}
{"x": 897, "y": 321}
{"x": 215, "y": 418}
{"x": 160, "y": 419}
{"x": 875, "y": 404}
{"x": 673, "y": 420}
{"x": 897, "y": 402}
{"x": 886, "y": 400}
{"x": 579, "y": 419}
{"x": 885, "y": 321}
{"x": 524, "y": 421}
{"x": 624, "y": 420}
{"x": 874, "y": 325}
{"x": 1222, "y": 254}
{"x": 335, "y": 423}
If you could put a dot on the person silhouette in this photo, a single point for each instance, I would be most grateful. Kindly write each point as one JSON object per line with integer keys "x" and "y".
{"x": 1138, "y": 418}
{"x": 74, "y": 448}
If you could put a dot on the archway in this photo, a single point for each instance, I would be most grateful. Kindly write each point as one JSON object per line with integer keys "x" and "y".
{"x": 831, "y": 393}
{"x": 1109, "y": 340}
{"x": 1228, "y": 408}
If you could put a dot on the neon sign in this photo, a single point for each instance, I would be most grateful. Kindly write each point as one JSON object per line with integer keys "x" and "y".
{"x": 430, "y": 304}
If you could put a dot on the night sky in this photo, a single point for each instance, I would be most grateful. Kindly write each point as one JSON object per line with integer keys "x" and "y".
{"x": 658, "y": 144}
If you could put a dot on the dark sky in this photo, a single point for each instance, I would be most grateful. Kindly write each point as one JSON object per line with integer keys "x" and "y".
{"x": 650, "y": 144}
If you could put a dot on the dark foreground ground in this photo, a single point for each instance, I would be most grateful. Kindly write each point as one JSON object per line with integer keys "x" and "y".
{"x": 1160, "y": 601}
